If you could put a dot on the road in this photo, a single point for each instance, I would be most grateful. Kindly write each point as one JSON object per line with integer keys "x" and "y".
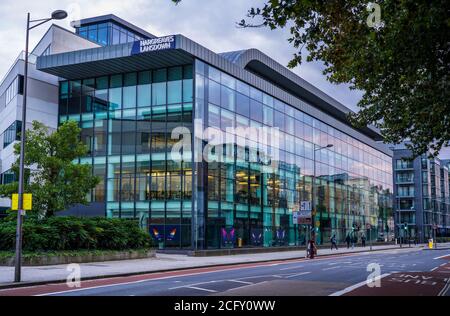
{"x": 402, "y": 272}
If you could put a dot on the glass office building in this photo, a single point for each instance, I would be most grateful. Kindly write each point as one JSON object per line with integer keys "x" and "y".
{"x": 129, "y": 104}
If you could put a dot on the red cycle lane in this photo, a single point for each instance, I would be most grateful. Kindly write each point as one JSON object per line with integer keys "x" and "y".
{"x": 433, "y": 283}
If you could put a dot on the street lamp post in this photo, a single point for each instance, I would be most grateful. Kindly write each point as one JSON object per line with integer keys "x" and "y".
{"x": 56, "y": 15}
{"x": 316, "y": 148}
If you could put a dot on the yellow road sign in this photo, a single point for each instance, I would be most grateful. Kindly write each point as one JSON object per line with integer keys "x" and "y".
{"x": 15, "y": 202}
{"x": 27, "y": 202}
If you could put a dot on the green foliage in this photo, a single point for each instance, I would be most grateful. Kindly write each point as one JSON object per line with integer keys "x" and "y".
{"x": 401, "y": 64}
{"x": 74, "y": 233}
{"x": 57, "y": 182}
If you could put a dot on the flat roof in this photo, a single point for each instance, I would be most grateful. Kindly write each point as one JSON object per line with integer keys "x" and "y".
{"x": 112, "y": 18}
{"x": 251, "y": 66}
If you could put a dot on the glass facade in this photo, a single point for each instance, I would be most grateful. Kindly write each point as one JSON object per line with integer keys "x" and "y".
{"x": 353, "y": 184}
{"x": 108, "y": 33}
{"x": 127, "y": 121}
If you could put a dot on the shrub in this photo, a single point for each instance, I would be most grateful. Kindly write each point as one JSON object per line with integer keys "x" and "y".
{"x": 73, "y": 233}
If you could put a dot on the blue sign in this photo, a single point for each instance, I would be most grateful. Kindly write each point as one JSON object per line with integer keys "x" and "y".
{"x": 173, "y": 232}
{"x": 153, "y": 44}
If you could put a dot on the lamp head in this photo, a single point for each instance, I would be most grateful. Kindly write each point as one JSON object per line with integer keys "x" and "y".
{"x": 59, "y": 15}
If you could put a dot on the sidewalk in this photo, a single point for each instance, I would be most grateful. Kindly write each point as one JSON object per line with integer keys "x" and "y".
{"x": 162, "y": 262}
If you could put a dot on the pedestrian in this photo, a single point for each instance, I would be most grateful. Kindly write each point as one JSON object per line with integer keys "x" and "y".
{"x": 353, "y": 241}
{"x": 347, "y": 240}
{"x": 312, "y": 247}
{"x": 363, "y": 240}
{"x": 333, "y": 242}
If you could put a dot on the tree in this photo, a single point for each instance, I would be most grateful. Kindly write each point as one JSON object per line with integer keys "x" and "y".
{"x": 52, "y": 176}
{"x": 396, "y": 52}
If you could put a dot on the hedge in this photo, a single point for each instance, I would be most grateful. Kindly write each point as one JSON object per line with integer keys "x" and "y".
{"x": 73, "y": 233}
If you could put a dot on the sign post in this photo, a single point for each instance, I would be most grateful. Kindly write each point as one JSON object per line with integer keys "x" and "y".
{"x": 369, "y": 227}
{"x": 304, "y": 215}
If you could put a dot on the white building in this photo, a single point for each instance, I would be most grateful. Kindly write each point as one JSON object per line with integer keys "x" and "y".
{"x": 42, "y": 94}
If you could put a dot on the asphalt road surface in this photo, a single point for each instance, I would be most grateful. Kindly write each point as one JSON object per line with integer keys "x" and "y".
{"x": 392, "y": 272}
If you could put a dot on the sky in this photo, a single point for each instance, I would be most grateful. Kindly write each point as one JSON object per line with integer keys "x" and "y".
{"x": 211, "y": 23}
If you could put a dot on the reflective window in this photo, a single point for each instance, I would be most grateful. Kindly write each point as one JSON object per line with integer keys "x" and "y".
{"x": 12, "y": 133}
{"x": 242, "y": 104}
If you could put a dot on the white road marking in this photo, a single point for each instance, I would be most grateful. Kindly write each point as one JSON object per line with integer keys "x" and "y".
{"x": 326, "y": 269}
{"x": 297, "y": 274}
{"x": 241, "y": 287}
{"x": 440, "y": 257}
{"x": 291, "y": 268}
{"x": 239, "y": 281}
{"x": 445, "y": 289}
{"x": 434, "y": 269}
{"x": 357, "y": 285}
{"x": 201, "y": 289}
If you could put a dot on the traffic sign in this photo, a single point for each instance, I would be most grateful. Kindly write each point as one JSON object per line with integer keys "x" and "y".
{"x": 27, "y": 202}
{"x": 305, "y": 206}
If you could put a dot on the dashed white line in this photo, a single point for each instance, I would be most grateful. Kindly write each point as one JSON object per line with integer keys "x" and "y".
{"x": 434, "y": 269}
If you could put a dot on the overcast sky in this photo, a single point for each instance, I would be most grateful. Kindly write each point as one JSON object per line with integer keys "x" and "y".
{"x": 211, "y": 23}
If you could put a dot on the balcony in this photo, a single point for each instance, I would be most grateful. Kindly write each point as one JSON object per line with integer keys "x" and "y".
{"x": 404, "y": 181}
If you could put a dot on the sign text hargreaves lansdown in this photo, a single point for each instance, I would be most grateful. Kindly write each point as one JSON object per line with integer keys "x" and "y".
{"x": 153, "y": 44}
